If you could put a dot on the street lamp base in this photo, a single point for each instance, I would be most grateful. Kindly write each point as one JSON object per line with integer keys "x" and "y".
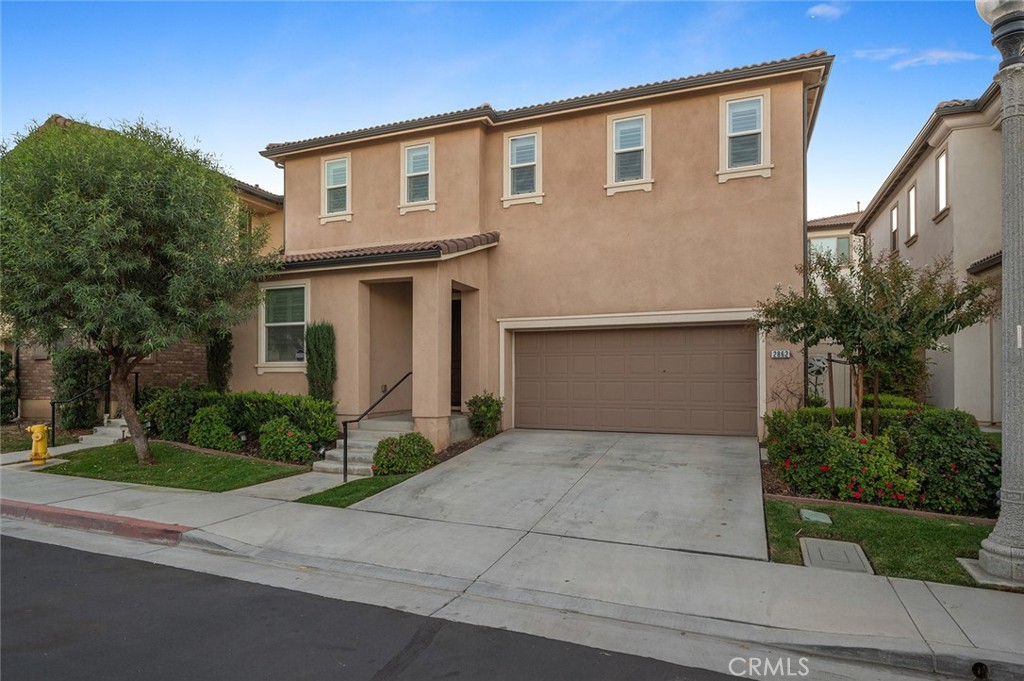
{"x": 1006, "y": 562}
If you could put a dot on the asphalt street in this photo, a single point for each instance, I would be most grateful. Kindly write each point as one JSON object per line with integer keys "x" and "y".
{"x": 68, "y": 614}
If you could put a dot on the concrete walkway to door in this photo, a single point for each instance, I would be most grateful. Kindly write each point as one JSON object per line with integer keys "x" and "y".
{"x": 685, "y": 492}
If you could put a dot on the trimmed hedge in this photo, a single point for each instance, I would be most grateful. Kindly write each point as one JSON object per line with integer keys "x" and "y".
{"x": 936, "y": 459}
{"x": 172, "y": 411}
{"x": 209, "y": 429}
{"x": 281, "y": 440}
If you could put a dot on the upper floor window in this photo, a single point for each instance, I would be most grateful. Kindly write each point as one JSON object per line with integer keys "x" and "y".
{"x": 336, "y": 201}
{"x": 744, "y": 149}
{"x": 942, "y": 182}
{"x": 838, "y": 247}
{"x": 418, "y": 176}
{"x": 522, "y": 169}
{"x": 912, "y": 212}
{"x": 629, "y": 157}
{"x": 283, "y": 320}
{"x": 894, "y": 229}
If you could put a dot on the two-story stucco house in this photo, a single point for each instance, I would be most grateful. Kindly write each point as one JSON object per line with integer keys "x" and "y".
{"x": 943, "y": 198}
{"x": 595, "y": 260}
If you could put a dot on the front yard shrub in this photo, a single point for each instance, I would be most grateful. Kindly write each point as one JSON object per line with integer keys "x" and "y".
{"x": 281, "y": 440}
{"x": 170, "y": 414}
{"x": 485, "y": 414}
{"x": 8, "y": 388}
{"x": 209, "y": 429}
{"x": 74, "y": 371}
{"x": 935, "y": 459}
{"x": 890, "y": 402}
{"x": 321, "y": 365}
{"x": 248, "y": 411}
{"x": 844, "y": 417}
{"x": 407, "y": 453}
{"x": 961, "y": 466}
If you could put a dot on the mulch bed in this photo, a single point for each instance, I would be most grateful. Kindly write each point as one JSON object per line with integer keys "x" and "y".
{"x": 458, "y": 448}
{"x": 771, "y": 483}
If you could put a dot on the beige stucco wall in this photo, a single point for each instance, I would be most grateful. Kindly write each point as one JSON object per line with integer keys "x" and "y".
{"x": 968, "y": 376}
{"x": 692, "y": 243}
{"x": 391, "y": 348}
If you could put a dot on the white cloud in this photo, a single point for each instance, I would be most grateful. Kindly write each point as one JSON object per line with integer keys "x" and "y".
{"x": 880, "y": 53}
{"x": 828, "y": 10}
{"x": 935, "y": 57}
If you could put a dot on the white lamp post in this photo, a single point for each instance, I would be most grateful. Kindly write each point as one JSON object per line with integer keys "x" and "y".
{"x": 1002, "y": 554}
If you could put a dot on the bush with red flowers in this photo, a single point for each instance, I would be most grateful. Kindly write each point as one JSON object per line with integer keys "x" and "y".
{"x": 281, "y": 440}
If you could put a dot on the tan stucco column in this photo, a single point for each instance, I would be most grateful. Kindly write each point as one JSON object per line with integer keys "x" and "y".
{"x": 350, "y": 311}
{"x": 431, "y": 355}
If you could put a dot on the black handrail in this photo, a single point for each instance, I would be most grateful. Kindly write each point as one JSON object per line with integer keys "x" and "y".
{"x": 344, "y": 425}
{"x": 106, "y": 384}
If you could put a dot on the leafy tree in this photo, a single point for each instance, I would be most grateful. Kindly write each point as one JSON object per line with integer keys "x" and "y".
{"x": 126, "y": 240}
{"x": 880, "y": 310}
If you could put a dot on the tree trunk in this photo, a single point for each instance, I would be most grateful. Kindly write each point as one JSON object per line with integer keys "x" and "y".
{"x": 858, "y": 396}
{"x": 874, "y": 416}
{"x": 119, "y": 382}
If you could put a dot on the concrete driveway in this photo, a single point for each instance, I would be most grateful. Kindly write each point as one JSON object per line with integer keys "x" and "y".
{"x": 683, "y": 492}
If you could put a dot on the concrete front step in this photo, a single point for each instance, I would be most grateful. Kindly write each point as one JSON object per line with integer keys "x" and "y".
{"x": 115, "y": 432}
{"x": 99, "y": 440}
{"x": 370, "y": 437}
{"x": 332, "y": 466}
{"x": 394, "y": 424}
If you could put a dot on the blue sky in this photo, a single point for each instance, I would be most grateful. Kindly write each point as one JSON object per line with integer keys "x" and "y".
{"x": 231, "y": 77}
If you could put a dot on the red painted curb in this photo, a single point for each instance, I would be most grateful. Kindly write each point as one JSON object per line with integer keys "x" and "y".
{"x": 130, "y": 528}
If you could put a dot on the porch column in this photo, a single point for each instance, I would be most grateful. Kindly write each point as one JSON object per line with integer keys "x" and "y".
{"x": 474, "y": 349}
{"x": 431, "y": 355}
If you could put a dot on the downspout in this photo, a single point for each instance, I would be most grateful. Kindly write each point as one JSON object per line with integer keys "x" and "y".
{"x": 806, "y": 242}
{"x": 284, "y": 219}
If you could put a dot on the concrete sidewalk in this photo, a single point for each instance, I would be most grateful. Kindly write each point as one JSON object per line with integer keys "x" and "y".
{"x": 662, "y": 603}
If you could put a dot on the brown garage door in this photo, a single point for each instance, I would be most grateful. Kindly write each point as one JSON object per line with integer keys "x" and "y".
{"x": 695, "y": 379}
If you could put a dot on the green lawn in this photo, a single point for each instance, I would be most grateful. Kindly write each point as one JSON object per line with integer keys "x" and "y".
{"x": 357, "y": 490}
{"x": 17, "y": 440}
{"x": 175, "y": 467}
{"x": 898, "y": 545}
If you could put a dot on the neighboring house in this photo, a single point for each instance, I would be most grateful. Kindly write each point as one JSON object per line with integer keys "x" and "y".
{"x": 944, "y": 198}
{"x": 595, "y": 260}
{"x": 831, "y": 235}
{"x": 185, "y": 361}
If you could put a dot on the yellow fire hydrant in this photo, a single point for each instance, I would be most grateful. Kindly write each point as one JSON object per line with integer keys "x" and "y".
{"x": 39, "y": 454}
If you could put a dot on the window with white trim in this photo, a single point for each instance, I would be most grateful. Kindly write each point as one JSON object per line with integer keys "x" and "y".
{"x": 522, "y": 176}
{"x": 912, "y": 212}
{"x": 894, "y": 229}
{"x": 417, "y": 176}
{"x": 942, "y": 182}
{"x": 284, "y": 324}
{"x": 629, "y": 152}
{"x": 336, "y": 196}
{"x": 745, "y": 141}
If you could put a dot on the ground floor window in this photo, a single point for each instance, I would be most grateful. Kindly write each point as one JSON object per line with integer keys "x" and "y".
{"x": 284, "y": 324}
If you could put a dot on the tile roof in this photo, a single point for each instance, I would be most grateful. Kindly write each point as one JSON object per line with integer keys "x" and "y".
{"x": 840, "y": 220}
{"x": 986, "y": 263}
{"x": 392, "y": 252}
{"x": 814, "y": 58}
{"x": 258, "y": 192}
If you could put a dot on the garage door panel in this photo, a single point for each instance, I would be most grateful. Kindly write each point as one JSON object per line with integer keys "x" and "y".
{"x": 673, "y": 380}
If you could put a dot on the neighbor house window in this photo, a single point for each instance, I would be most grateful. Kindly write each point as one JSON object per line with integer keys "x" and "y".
{"x": 942, "y": 182}
{"x": 418, "y": 176}
{"x": 522, "y": 169}
{"x": 629, "y": 159}
{"x": 912, "y": 212}
{"x": 336, "y": 201}
{"x": 838, "y": 247}
{"x": 894, "y": 229}
{"x": 745, "y": 150}
{"x": 284, "y": 324}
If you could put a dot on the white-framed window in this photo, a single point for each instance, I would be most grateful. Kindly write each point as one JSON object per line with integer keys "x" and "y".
{"x": 912, "y": 212}
{"x": 745, "y": 139}
{"x": 894, "y": 228}
{"x": 629, "y": 152}
{"x": 417, "y": 176}
{"x": 942, "y": 181}
{"x": 283, "y": 315}
{"x": 838, "y": 247}
{"x": 522, "y": 176}
{"x": 336, "y": 200}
